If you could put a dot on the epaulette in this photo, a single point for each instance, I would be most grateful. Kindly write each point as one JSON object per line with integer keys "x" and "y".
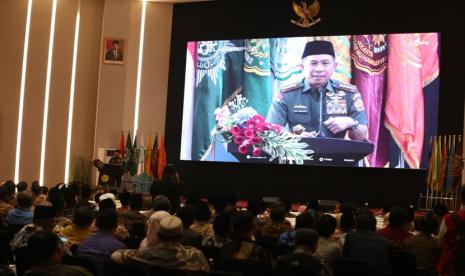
{"x": 291, "y": 87}
{"x": 346, "y": 87}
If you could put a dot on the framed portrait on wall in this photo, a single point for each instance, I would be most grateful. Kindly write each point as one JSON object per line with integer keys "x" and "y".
{"x": 113, "y": 50}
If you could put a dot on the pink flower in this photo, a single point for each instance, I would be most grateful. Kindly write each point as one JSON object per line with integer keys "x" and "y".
{"x": 277, "y": 128}
{"x": 268, "y": 126}
{"x": 243, "y": 148}
{"x": 258, "y": 119}
{"x": 236, "y": 130}
{"x": 238, "y": 140}
{"x": 249, "y": 123}
{"x": 220, "y": 113}
{"x": 257, "y": 152}
{"x": 260, "y": 128}
{"x": 255, "y": 140}
{"x": 249, "y": 133}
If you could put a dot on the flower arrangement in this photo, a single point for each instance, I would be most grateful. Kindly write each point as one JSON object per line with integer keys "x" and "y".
{"x": 242, "y": 125}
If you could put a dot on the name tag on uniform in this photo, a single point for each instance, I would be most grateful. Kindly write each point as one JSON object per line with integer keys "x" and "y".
{"x": 300, "y": 109}
{"x": 336, "y": 106}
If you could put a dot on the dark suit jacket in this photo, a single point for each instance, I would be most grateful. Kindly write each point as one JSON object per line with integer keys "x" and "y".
{"x": 110, "y": 55}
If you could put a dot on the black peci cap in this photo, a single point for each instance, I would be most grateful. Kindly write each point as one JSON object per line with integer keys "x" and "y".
{"x": 318, "y": 47}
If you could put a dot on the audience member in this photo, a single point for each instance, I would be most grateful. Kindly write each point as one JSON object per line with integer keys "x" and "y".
{"x": 168, "y": 252}
{"x": 48, "y": 252}
{"x": 153, "y": 224}
{"x": 101, "y": 245}
{"x": 304, "y": 220}
{"x": 328, "y": 250}
{"x": 81, "y": 227}
{"x": 397, "y": 229}
{"x": 168, "y": 185}
{"x": 202, "y": 223}
{"x": 189, "y": 236}
{"x": 277, "y": 225}
{"x": 242, "y": 245}
{"x": 36, "y": 193}
{"x": 21, "y": 186}
{"x": 85, "y": 196}
{"x": 22, "y": 214}
{"x": 5, "y": 207}
{"x": 306, "y": 242}
{"x": 221, "y": 229}
{"x": 365, "y": 245}
{"x": 10, "y": 189}
{"x": 133, "y": 215}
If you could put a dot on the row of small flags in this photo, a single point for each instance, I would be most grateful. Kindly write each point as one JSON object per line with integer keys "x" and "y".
{"x": 139, "y": 158}
{"x": 444, "y": 173}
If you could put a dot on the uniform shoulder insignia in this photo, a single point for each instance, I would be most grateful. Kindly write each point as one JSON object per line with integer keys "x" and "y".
{"x": 347, "y": 87}
{"x": 291, "y": 87}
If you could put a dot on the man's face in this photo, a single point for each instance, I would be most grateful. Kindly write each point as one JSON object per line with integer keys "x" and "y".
{"x": 115, "y": 46}
{"x": 318, "y": 69}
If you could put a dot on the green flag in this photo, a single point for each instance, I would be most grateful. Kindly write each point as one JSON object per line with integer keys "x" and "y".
{"x": 257, "y": 74}
{"x": 128, "y": 153}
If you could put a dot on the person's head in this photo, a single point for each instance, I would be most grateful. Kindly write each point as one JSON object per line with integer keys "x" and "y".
{"x": 326, "y": 226}
{"x": 242, "y": 224}
{"x": 46, "y": 247}
{"x": 35, "y": 188}
{"x": 169, "y": 170}
{"x": 347, "y": 222}
{"x": 222, "y": 224}
{"x": 85, "y": 192}
{"x": 426, "y": 224}
{"x": 135, "y": 201}
{"x": 22, "y": 186}
{"x": 161, "y": 203}
{"x": 318, "y": 63}
{"x": 44, "y": 216}
{"x": 43, "y": 190}
{"x": 306, "y": 239}
{"x": 313, "y": 205}
{"x": 202, "y": 212}
{"x": 107, "y": 220}
{"x": 83, "y": 217}
{"x": 304, "y": 220}
{"x": 98, "y": 163}
{"x": 277, "y": 213}
{"x": 170, "y": 229}
{"x": 115, "y": 44}
{"x": 24, "y": 200}
{"x": 117, "y": 153}
{"x": 107, "y": 203}
{"x": 365, "y": 222}
{"x": 9, "y": 187}
{"x": 186, "y": 213}
{"x": 124, "y": 198}
{"x": 398, "y": 217}
{"x": 57, "y": 200}
{"x": 70, "y": 195}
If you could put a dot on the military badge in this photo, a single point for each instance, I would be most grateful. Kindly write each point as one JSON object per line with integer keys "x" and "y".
{"x": 358, "y": 103}
{"x": 336, "y": 106}
{"x": 307, "y": 11}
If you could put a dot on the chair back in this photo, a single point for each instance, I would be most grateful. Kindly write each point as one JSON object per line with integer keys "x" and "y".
{"x": 344, "y": 267}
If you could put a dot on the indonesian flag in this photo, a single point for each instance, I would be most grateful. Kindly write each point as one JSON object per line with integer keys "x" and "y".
{"x": 412, "y": 64}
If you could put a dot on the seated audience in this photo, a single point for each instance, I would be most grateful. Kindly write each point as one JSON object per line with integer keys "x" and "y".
{"x": 277, "y": 225}
{"x": 102, "y": 244}
{"x": 36, "y": 193}
{"x": 304, "y": 220}
{"x": 43, "y": 220}
{"x": 132, "y": 215}
{"x": 124, "y": 198}
{"x": 202, "y": 223}
{"x": 397, "y": 229}
{"x": 328, "y": 250}
{"x": 423, "y": 245}
{"x": 365, "y": 245}
{"x": 242, "y": 245}
{"x": 306, "y": 242}
{"x": 189, "y": 236}
{"x": 10, "y": 189}
{"x": 22, "y": 214}
{"x": 81, "y": 227}
{"x": 48, "y": 252}
{"x": 168, "y": 252}
{"x": 346, "y": 224}
{"x": 84, "y": 197}
{"x": 222, "y": 230}
{"x": 58, "y": 202}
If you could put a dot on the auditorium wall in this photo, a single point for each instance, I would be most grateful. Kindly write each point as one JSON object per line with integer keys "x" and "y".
{"x": 104, "y": 94}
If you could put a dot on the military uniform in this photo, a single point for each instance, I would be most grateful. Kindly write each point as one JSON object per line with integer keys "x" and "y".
{"x": 298, "y": 104}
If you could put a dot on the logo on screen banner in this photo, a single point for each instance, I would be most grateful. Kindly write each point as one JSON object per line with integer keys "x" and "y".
{"x": 307, "y": 11}
{"x": 370, "y": 53}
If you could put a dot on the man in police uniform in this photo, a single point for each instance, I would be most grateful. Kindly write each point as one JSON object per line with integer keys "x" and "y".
{"x": 319, "y": 106}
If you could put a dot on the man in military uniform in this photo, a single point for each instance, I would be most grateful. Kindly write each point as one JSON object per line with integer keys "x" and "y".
{"x": 319, "y": 106}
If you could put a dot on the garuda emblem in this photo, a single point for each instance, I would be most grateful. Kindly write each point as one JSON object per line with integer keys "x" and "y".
{"x": 308, "y": 11}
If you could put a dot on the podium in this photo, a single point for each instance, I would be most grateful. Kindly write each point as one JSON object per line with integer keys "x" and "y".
{"x": 327, "y": 152}
{"x": 110, "y": 174}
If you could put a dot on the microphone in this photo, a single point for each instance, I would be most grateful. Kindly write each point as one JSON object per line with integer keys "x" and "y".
{"x": 320, "y": 131}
